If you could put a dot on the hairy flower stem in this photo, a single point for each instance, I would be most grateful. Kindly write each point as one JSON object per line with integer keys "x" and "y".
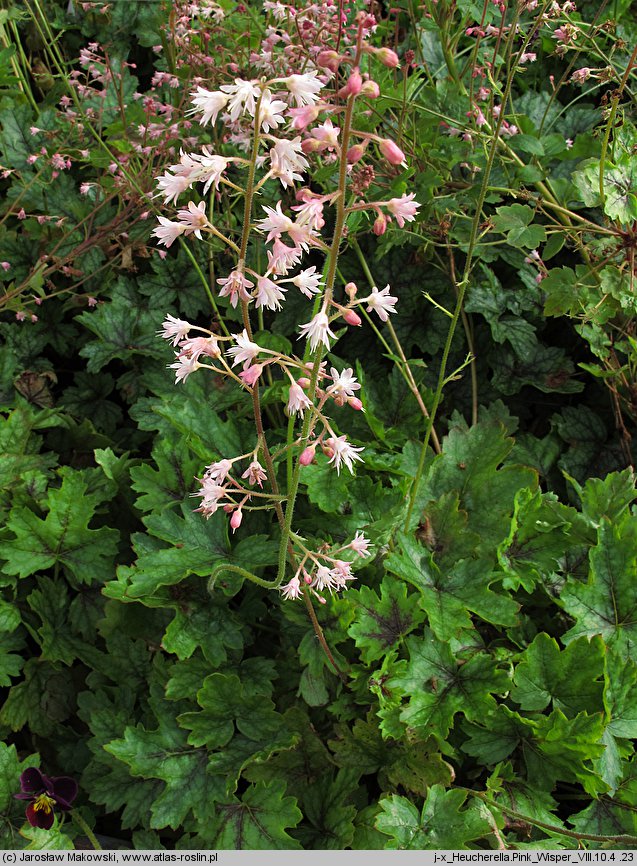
{"x": 462, "y": 285}
{"x": 625, "y": 839}
{"x": 81, "y": 823}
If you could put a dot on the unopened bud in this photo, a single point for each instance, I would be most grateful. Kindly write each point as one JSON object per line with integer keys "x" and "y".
{"x": 354, "y": 84}
{"x": 387, "y": 57}
{"x": 350, "y": 290}
{"x": 304, "y": 382}
{"x": 235, "y": 520}
{"x": 328, "y": 60}
{"x": 390, "y": 150}
{"x": 329, "y": 452}
{"x": 355, "y": 403}
{"x": 370, "y": 89}
{"x": 380, "y": 225}
{"x": 310, "y": 145}
{"x": 352, "y": 318}
{"x": 355, "y": 153}
{"x": 307, "y": 455}
{"x": 228, "y": 508}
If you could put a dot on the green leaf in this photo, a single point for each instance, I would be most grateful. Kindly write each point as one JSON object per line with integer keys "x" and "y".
{"x": 571, "y": 678}
{"x": 123, "y": 328}
{"x": 257, "y": 822}
{"x": 607, "y": 603}
{"x": 449, "y": 596}
{"x": 515, "y": 221}
{"x": 325, "y": 488}
{"x": 608, "y": 497}
{"x": 328, "y": 808}
{"x": 164, "y": 754}
{"x": 537, "y": 540}
{"x": 495, "y": 741}
{"x": 63, "y": 536}
{"x": 210, "y": 626}
{"x": 171, "y": 482}
{"x": 621, "y": 695}
{"x": 438, "y": 687}
{"x": 380, "y": 623}
{"x": 469, "y": 466}
{"x": 226, "y": 702}
{"x": 442, "y": 825}
{"x": 43, "y": 699}
{"x": 198, "y": 545}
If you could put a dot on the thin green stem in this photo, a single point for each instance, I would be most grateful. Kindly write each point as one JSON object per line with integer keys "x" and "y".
{"x": 81, "y": 823}
{"x": 462, "y": 285}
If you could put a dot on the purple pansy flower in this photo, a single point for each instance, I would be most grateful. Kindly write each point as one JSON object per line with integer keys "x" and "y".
{"x": 45, "y": 793}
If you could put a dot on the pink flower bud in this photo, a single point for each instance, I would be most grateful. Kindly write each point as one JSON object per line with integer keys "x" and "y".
{"x": 310, "y": 145}
{"x": 370, "y": 89}
{"x": 5, "y": 266}
{"x": 235, "y": 520}
{"x": 387, "y": 57}
{"x": 390, "y": 150}
{"x": 329, "y": 452}
{"x": 307, "y": 456}
{"x": 228, "y": 508}
{"x": 350, "y": 290}
{"x": 352, "y": 318}
{"x": 380, "y": 225}
{"x": 355, "y": 403}
{"x": 355, "y": 153}
{"x": 354, "y": 84}
{"x": 304, "y": 382}
{"x": 328, "y": 60}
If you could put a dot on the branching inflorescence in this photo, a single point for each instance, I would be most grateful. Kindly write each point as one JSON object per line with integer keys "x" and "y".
{"x": 283, "y": 126}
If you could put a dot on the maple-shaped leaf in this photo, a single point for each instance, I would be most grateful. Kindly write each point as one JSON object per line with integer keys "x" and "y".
{"x": 607, "y": 603}
{"x": 612, "y": 815}
{"x": 442, "y": 825}
{"x": 495, "y": 738}
{"x": 413, "y": 766}
{"x": 443, "y": 529}
{"x": 449, "y": 597}
{"x": 562, "y": 749}
{"x": 226, "y": 702}
{"x": 259, "y": 821}
{"x": 12, "y": 810}
{"x": 471, "y": 466}
{"x": 173, "y": 479}
{"x": 197, "y": 545}
{"x": 538, "y": 538}
{"x": 621, "y": 695}
{"x": 379, "y": 623}
{"x": 63, "y": 537}
{"x": 571, "y": 678}
{"x": 329, "y": 811}
{"x": 164, "y": 754}
{"x": 607, "y": 497}
{"x": 439, "y": 687}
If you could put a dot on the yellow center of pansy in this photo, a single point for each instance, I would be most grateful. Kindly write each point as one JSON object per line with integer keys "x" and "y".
{"x": 43, "y": 803}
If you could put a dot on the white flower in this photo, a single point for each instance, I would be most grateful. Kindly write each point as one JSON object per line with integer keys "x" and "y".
{"x": 174, "y": 329}
{"x": 172, "y": 186}
{"x": 317, "y": 331}
{"x": 270, "y": 111}
{"x": 303, "y": 88}
{"x": 269, "y": 294}
{"x": 209, "y": 103}
{"x": 255, "y": 473}
{"x": 404, "y": 208}
{"x": 193, "y": 218}
{"x": 168, "y": 231}
{"x": 381, "y": 302}
{"x": 245, "y": 350}
{"x": 242, "y": 96}
{"x": 276, "y": 222}
{"x": 198, "y": 346}
{"x": 286, "y": 158}
{"x": 218, "y": 471}
{"x": 343, "y": 384}
{"x": 292, "y": 589}
{"x": 183, "y": 367}
{"x": 360, "y": 545}
{"x": 235, "y": 286}
{"x": 308, "y": 281}
{"x": 343, "y": 453}
{"x": 298, "y": 400}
